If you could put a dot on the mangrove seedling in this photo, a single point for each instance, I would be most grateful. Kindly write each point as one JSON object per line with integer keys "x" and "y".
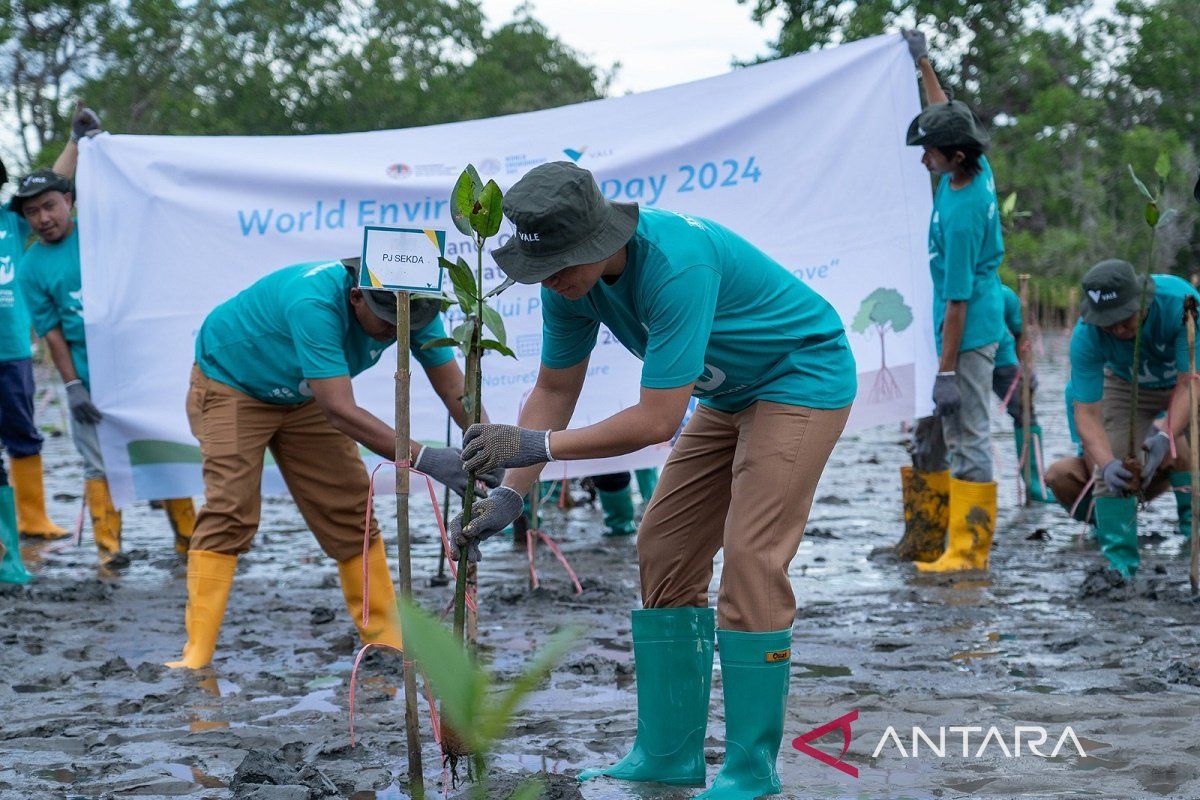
{"x": 466, "y": 691}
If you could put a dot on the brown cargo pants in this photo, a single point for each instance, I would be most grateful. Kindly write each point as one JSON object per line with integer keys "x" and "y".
{"x": 321, "y": 467}
{"x": 743, "y": 482}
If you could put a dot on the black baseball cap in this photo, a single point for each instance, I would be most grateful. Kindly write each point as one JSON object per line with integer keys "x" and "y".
{"x": 37, "y": 183}
{"x": 952, "y": 124}
{"x": 562, "y": 220}
{"x": 1112, "y": 293}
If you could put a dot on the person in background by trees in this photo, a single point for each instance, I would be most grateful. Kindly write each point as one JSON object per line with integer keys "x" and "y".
{"x": 51, "y": 284}
{"x": 1007, "y": 385}
{"x": 965, "y": 251}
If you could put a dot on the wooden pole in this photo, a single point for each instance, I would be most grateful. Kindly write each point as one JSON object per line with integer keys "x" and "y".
{"x": 1189, "y": 312}
{"x": 1072, "y": 307}
{"x": 416, "y": 777}
{"x": 1026, "y": 370}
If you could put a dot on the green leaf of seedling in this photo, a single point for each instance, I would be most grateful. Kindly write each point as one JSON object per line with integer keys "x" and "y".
{"x": 1162, "y": 166}
{"x": 464, "y": 284}
{"x": 463, "y": 197}
{"x": 1167, "y": 218}
{"x": 532, "y": 789}
{"x": 487, "y": 214}
{"x": 444, "y": 341}
{"x": 494, "y": 323}
{"x": 492, "y": 344}
{"x": 1151, "y": 214}
{"x": 1010, "y": 203}
{"x": 1141, "y": 186}
{"x": 462, "y": 333}
{"x": 496, "y": 717}
{"x": 454, "y": 678}
{"x": 497, "y": 290}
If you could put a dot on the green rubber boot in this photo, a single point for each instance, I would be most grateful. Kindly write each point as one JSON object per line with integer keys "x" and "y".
{"x": 755, "y": 669}
{"x": 673, "y": 657}
{"x": 647, "y": 481}
{"x": 12, "y": 568}
{"x": 1035, "y": 479}
{"x": 1181, "y": 485}
{"x": 1116, "y": 530}
{"x": 618, "y": 512}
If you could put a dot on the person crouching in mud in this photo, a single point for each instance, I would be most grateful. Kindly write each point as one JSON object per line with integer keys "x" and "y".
{"x": 712, "y": 316}
{"x": 273, "y": 369}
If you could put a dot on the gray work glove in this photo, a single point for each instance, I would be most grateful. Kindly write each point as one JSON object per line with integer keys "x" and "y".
{"x": 486, "y": 447}
{"x": 84, "y": 123}
{"x": 444, "y": 465}
{"x": 916, "y": 44}
{"x": 1116, "y": 477}
{"x": 489, "y": 517}
{"x": 1157, "y": 446}
{"x": 946, "y": 397}
{"x": 79, "y": 400}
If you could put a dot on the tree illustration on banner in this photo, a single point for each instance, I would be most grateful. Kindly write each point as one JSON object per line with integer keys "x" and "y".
{"x": 883, "y": 310}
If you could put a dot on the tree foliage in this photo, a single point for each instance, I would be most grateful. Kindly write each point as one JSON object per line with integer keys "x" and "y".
{"x": 266, "y": 67}
{"x": 1072, "y": 97}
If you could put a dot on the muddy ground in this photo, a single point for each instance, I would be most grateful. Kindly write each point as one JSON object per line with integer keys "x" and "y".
{"x": 86, "y": 710}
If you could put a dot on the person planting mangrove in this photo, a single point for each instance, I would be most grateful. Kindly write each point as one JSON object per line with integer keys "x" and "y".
{"x": 1007, "y": 384}
{"x": 272, "y": 372}
{"x": 965, "y": 251}
{"x": 51, "y": 284}
{"x": 1101, "y": 385}
{"x": 710, "y": 315}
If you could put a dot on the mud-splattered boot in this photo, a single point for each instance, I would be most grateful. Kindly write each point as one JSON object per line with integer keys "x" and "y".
{"x": 12, "y": 568}
{"x": 181, "y": 514}
{"x": 673, "y": 658}
{"x": 755, "y": 670}
{"x": 647, "y": 481}
{"x": 618, "y": 512}
{"x": 209, "y": 579}
{"x": 106, "y": 520}
{"x": 1116, "y": 531}
{"x": 30, "y": 490}
{"x": 926, "y": 514}
{"x": 971, "y": 529}
{"x": 382, "y": 625}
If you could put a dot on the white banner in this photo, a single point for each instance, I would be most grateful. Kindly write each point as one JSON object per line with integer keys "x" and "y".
{"x": 804, "y": 156}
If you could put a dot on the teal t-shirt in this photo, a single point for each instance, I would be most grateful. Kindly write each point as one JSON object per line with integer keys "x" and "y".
{"x": 965, "y": 250}
{"x": 1006, "y": 353}
{"x": 294, "y": 325}
{"x": 696, "y": 302}
{"x": 1164, "y": 345}
{"x": 51, "y": 284}
{"x": 14, "y": 317}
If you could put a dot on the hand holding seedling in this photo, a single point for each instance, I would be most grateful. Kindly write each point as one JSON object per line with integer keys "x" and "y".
{"x": 487, "y": 447}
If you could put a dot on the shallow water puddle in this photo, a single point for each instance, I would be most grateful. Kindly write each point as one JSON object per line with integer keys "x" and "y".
{"x": 185, "y": 773}
{"x": 313, "y": 701}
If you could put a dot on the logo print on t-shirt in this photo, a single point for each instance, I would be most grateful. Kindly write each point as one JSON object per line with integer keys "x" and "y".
{"x": 7, "y": 270}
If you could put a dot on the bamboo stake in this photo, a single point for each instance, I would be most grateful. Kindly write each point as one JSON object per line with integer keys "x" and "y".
{"x": 1189, "y": 314}
{"x": 1026, "y": 370}
{"x": 416, "y": 777}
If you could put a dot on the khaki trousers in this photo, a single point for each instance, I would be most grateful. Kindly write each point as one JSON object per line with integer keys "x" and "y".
{"x": 321, "y": 467}
{"x": 744, "y": 482}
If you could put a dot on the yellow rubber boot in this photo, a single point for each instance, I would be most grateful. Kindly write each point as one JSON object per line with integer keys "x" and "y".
{"x": 181, "y": 513}
{"x": 209, "y": 577}
{"x": 31, "y": 499}
{"x": 926, "y": 514}
{"x": 383, "y": 622}
{"x": 972, "y": 525}
{"x": 106, "y": 520}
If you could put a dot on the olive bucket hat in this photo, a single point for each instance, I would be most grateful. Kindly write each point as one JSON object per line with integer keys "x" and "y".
{"x": 1112, "y": 292}
{"x": 382, "y": 302}
{"x": 952, "y": 124}
{"x": 562, "y": 220}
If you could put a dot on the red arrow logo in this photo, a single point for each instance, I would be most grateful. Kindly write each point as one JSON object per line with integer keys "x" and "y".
{"x": 842, "y": 723}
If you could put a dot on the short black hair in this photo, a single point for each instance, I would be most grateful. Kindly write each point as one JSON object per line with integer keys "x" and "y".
{"x": 3, "y": 173}
{"x": 971, "y": 155}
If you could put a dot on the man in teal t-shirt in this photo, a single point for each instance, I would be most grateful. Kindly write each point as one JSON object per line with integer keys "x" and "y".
{"x": 52, "y": 285}
{"x": 965, "y": 251}
{"x": 1101, "y": 384}
{"x": 710, "y": 316}
{"x": 1008, "y": 385}
{"x": 273, "y": 369}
